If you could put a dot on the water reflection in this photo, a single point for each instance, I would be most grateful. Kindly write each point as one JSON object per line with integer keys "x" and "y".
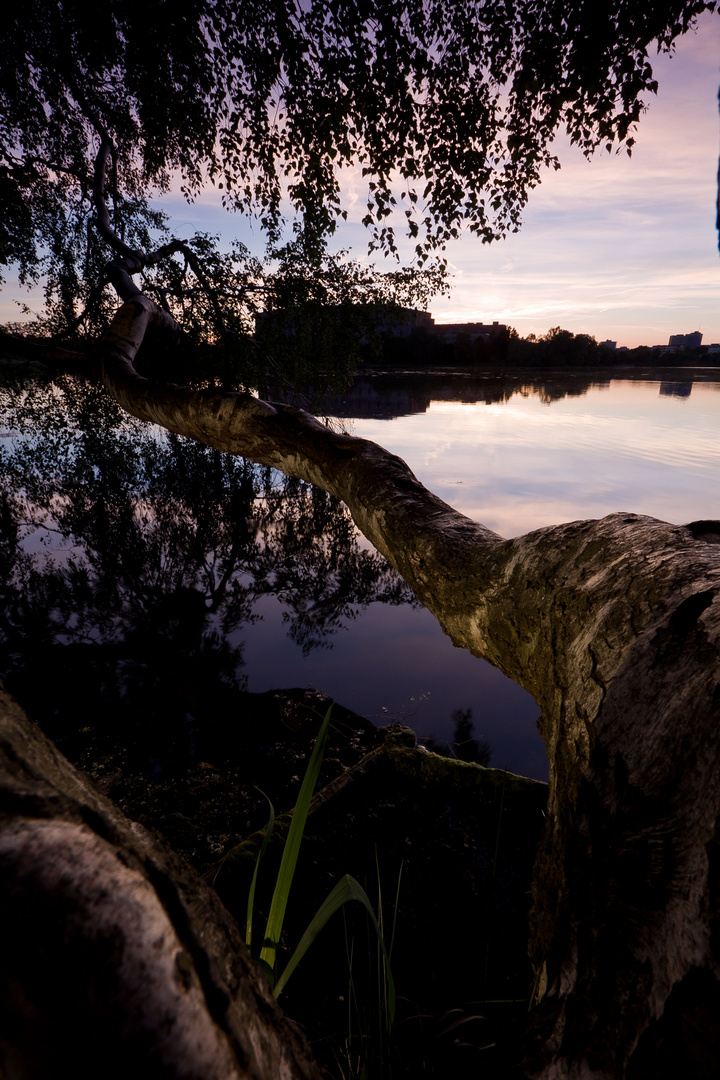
{"x": 132, "y": 565}
{"x": 676, "y": 389}
{"x": 388, "y": 395}
{"x": 383, "y": 395}
{"x": 560, "y": 449}
{"x": 148, "y": 582}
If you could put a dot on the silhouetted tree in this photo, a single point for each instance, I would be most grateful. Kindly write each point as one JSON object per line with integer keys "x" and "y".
{"x": 613, "y": 625}
{"x": 467, "y": 747}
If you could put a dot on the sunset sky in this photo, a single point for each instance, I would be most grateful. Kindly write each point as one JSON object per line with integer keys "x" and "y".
{"x": 621, "y": 248}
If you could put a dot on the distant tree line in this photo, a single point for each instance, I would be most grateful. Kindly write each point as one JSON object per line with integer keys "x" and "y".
{"x": 557, "y": 348}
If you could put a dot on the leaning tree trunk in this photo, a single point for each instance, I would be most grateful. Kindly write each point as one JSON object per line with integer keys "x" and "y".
{"x": 613, "y": 626}
{"x": 116, "y": 960}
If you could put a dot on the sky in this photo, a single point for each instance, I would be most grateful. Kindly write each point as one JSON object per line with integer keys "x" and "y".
{"x": 622, "y": 248}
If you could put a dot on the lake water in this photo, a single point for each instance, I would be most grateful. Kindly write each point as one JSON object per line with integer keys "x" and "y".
{"x": 515, "y": 452}
{"x": 111, "y": 532}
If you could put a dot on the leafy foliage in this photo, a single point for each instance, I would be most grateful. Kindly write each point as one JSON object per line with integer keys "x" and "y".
{"x": 458, "y": 101}
{"x": 558, "y": 348}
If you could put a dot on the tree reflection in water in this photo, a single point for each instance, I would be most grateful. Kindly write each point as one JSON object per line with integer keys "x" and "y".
{"x": 130, "y": 559}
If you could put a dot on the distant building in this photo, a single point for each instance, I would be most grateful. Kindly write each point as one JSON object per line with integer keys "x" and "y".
{"x": 398, "y": 323}
{"x": 402, "y": 322}
{"x": 676, "y": 389}
{"x": 608, "y": 344}
{"x": 686, "y": 341}
{"x": 475, "y": 330}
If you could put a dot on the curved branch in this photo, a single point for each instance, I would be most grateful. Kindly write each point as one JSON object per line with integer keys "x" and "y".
{"x": 129, "y": 261}
{"x": 359, "y": 472}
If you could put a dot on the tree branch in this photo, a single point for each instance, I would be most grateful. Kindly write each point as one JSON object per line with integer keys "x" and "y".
{"x": 129, "y": 260}
{"x": 52, "y": 166}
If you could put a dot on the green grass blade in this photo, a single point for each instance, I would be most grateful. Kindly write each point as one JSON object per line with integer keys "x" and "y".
{"x": 346, "y": 889}
{"x": 292, "y": 847}
{"x": 251, "y": 895}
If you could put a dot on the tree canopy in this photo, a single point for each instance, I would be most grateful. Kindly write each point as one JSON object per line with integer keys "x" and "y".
{"x": 448, "y": 107}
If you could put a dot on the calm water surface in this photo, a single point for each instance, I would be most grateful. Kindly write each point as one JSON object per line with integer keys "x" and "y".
{"x": 647, "y": 446}
{"x": 516, "y": 455}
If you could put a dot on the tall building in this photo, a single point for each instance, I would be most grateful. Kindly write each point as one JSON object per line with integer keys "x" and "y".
{"x": 402, "y": 321}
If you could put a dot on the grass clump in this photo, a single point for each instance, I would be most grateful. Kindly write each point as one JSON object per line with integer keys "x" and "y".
{"x": 347, "y": 890}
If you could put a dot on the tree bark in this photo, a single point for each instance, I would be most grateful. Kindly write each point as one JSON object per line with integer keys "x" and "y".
{"x": 115, "y": 959}
{"x": 613, "y": 626}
